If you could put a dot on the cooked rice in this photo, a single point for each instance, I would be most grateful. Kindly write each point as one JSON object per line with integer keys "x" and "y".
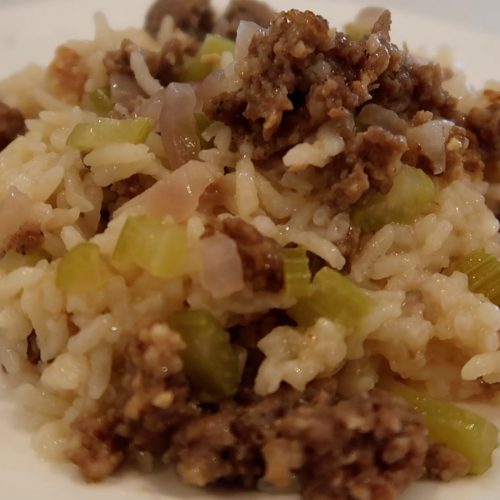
{"x": 426, "y": 324}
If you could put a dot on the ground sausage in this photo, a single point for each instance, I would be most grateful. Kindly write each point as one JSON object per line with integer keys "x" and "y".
{"x": 152, "y": 402}
{"x": 371, "y": 160}
{"x": 195, "y": 17}
{"x": 242, "y": 10}
{"x": 298, "y": 76}
{"x": 371, "y": 446}
{"x": 260, "y": 255}
{"x": 11, "y": 124}
{"x": 485, "y": 123}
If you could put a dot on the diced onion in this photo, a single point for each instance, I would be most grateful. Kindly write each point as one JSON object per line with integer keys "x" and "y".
{"x": 221, "y": 267}
{"x": 178, "y": 193}
{"x": 124, "y": 89}
{"x": 373, "y": 114}
{"x": 177, "y": 124}
{"x": 432, "y": 137}
{"x": 244, "y": 35}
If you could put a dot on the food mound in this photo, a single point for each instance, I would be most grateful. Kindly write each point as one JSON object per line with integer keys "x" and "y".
{"x": 253, "y": 247}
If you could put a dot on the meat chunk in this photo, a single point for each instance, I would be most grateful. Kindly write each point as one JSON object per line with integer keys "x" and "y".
{"x": 101, "y": 450}
{"x": 445, "y": 464}
{"x": 413, "y": 87}
{"x": 297, "y": 76}
{"x": 371, "y": 159}
{"x": 195, "y": 17}
{"x": 371, "y": 446}
{"x": 260, "y": 255}
{"x": 485, "y": 123}
{"x": 11, "y": 124}
{"x": 67, "y": 75}
{"x": 152, "y": 402}
{"x": 242, "y": 10}
{"x": 27, "y": 238}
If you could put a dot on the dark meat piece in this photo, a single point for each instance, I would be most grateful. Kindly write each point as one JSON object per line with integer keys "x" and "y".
{"x": 413, "y": 87}
{"x": 166, "y": 65}
{"x": 32, "y": 349}
{"x": 228, "y": 445}
{"x": 195, "y": 17}
{"x": 485, "y": 123}
{"x": 151, "y": 404}
{"x": 11, "y": 124}
{"x": 370, "y": 160}
{"x": 27, "y": 238}
{"x": 101, "y": 450}
{"x": 297, "y": 76}
{"x": 242, "y": 10}
{"x": 260, "y": 255}
{"x": 371, "y": 446}
{"x": 445, "y": 464}
{"x": 67, "y": 75}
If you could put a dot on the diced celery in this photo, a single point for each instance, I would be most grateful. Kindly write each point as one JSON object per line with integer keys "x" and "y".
{"x": 483, "y": 271}
{"x": 100, "y": 102}
{"x": 411, "y": 194}
{"x": 158, "y": 248}
{"x": 212, "y": 365}
{"x": 333, "y": 297}
{"x": 297, "y": 273}
{"x": 197, "y": 68}
{"x": 12, "y": 260}
{"x": 462, "y": 430}
{"x": 90, "y": 135}
{"x": 81, "y": 269}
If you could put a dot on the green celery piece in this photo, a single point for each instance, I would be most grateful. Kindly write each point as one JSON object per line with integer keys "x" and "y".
{"x": 100, "y": 101}
{"x": 297, "y": 272}
{"x": 212, "y": 365}
{"x": 158, "y": 248}
{"x": 333, "y": 297}
{"x": 483, "y": 271}
{"x": 103, "y": 131}
{"x": 461, "y": 430}
{"x": 195, "y": 69}
{"x": 411, "y": 194}
{"x": 81, "y": 269}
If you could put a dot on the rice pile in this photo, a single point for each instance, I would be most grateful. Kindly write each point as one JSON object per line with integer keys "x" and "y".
{"x": 426, "y": 325}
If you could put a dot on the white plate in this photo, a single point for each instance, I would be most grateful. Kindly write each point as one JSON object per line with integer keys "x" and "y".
{"x": 29, "y": 32}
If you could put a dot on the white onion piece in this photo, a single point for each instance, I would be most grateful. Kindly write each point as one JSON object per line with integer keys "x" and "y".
{"x": 432, "y": 137}
{"x": 177, "y": 124}
{"x": 217, "y": 82}
{"x": 151, "y": 108}
{"x": 221, "y": 267}
{"x": 373, "y": 114}
{"x": 123, "y": 89}
{"x": 178, "y": 193}
{"x": 15, "y": 210}
{"x": 246, "y": 31}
